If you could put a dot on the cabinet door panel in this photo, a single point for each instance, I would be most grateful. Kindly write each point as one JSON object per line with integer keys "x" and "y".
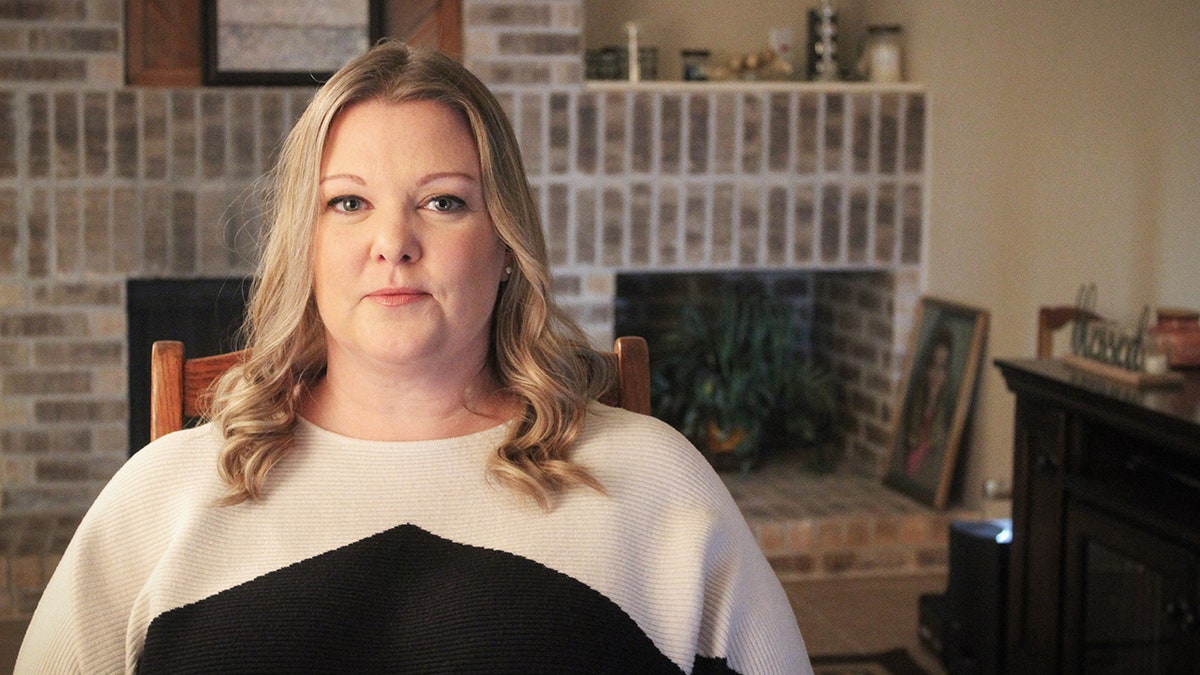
{"x": 1040, "y": 439}
{"x": 1130, "y": 598}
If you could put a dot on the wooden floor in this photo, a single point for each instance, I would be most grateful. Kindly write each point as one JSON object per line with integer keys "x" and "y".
{"x": 865, "y": 615}
{"x": 11, "y": 633}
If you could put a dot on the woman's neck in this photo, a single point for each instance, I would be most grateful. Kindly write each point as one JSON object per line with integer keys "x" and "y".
{"x": 387, "y": 407}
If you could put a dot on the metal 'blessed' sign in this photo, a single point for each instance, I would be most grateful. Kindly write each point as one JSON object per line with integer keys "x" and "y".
{"x": 1106, "y": 341}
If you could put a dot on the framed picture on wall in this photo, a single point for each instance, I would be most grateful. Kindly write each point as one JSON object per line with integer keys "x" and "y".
{"x": 285, "y": 42}
{"x": 936, "y": 391}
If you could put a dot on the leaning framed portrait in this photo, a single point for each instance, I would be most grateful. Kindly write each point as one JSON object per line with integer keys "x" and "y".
{"x": 934, "y": 398}
{"x": 285, "y": 42}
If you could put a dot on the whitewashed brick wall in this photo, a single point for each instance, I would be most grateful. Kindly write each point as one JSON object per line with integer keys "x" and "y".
{"x": 100, "y": 183}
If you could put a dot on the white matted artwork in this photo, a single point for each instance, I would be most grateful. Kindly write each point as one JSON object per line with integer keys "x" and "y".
{"x": 283, "y": 42}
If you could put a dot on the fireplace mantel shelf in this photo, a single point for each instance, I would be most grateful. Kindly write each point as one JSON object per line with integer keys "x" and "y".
{"x": 755, "y": 86}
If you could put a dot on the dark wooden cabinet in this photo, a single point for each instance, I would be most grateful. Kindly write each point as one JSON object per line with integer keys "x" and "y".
{"x": 1106, "y": 524}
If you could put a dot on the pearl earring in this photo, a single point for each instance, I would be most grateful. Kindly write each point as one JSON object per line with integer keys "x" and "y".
{"x": 508, "y": 270}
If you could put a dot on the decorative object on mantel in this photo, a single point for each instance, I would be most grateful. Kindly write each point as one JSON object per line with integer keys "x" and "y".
{"x": 731, "y": 381}
{"x": 882, "y": 60}
{"x": 612, "y": 63}
{"x": 695, "y": 64}
{"x": 1134, "y": 378}
{"x": 1137, "y": 356}
{"x": 822, "y": 43}
{"x": 632, "y": 53}
{"x": 761, "y": 65}
{"x": 782, "y": 42}
{"x": 934, "y": 402}
{"x": 1178, "y": 333}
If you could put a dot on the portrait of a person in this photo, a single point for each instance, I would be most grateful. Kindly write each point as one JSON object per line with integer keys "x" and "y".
{"x": 927, "y": 419}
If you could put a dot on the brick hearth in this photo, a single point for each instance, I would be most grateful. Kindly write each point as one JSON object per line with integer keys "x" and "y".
{"x": 809, "y": 526}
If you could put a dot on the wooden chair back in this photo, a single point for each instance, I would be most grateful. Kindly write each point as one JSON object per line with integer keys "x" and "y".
{"x": 178, "y": 384}
{"x": 1053, "y": 318}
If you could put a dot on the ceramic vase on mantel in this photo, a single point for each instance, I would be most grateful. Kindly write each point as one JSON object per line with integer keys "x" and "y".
{"x": 1178, "y": 331}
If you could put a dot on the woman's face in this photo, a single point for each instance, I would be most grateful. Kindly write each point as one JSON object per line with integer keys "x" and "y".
{"x": 407, "y": 263}
{"x": 939, "y": 368}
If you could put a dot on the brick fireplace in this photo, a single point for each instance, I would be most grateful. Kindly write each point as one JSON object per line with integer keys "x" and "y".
{"x": 101, "y": 183}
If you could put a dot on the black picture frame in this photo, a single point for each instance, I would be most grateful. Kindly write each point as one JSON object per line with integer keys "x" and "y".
{"x": 247, "y": 44}
{"x": 928, "y": 420}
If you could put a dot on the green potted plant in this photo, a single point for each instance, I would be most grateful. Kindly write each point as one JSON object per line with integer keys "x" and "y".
{"x": 733, "y": 383}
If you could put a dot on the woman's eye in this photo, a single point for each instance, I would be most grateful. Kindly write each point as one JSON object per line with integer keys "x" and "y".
{"x": 347, "y": 203}
{"x": 445, "y": 203}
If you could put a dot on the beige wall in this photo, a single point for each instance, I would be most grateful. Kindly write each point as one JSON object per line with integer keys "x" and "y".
{"x": 1065, "y": 149}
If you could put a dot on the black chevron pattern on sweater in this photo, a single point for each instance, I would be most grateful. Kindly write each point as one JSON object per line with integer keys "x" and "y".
{"x": 405, "y": 600}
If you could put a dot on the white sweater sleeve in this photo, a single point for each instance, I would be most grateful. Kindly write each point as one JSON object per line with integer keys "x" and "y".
{"x": 84, "y": 620}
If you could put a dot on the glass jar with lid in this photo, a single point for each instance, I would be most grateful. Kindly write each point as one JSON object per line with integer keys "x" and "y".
{"x": 695, "y": 64}
{"x": 883, "y": 57}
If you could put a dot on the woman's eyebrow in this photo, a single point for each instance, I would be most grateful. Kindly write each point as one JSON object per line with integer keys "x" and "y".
{"x": 346, "y": 176}
{"x": 425, "y": 180}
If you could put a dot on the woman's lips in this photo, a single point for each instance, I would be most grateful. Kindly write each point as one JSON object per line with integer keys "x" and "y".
{"x": 395, "y": 297}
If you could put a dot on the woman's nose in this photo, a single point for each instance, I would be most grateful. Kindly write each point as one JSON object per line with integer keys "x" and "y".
{"x": 396, "y": 240}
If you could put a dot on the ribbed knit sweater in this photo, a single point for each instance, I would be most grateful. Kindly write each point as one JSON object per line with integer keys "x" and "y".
{"x": 404, "y": 557}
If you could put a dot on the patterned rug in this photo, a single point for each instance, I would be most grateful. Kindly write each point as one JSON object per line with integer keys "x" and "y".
{"x": 891, "y": 662}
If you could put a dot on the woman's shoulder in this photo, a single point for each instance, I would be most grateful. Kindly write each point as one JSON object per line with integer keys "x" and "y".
{"x": 194, "y": 445}
{"x": 633, "y": 449}
{"x": 648, "y": 436}
{"x": 170, "y": 468}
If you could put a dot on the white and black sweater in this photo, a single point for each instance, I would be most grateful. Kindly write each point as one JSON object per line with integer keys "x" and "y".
{"x": 404, "y": 557}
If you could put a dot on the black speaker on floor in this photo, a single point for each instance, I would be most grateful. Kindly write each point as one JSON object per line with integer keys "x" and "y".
{"x": 931, "y": 621}
{"x": 975, "y": 604}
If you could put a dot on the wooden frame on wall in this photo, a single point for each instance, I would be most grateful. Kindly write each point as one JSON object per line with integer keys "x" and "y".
{"x": 934, "y": 401}
{"x": 162, "y": 43}
{"x": 285, "y": 42}
{"x": 427, "y": 23}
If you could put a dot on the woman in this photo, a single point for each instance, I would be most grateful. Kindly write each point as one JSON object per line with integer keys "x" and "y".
{"x": 411, "y": 473}
{"x": 927, "y": 421}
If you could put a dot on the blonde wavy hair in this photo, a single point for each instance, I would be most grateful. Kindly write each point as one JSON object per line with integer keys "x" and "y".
{"x": 537, "y": 353}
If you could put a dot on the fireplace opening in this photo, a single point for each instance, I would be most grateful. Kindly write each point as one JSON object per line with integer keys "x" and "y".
{"x": 716, "y": 380}
{"x": 651, "y": 304}
{"x": 204, "y": 314}
{"x": 844, "y": 321}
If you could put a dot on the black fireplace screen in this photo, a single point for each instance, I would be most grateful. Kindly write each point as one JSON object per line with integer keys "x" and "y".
{"x": 204, "y": 314}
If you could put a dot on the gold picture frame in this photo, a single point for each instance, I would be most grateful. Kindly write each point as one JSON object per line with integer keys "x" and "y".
{"x": 934, "y": 398}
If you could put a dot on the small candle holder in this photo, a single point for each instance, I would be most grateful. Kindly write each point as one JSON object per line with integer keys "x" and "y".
{"x": 1156, "y": 353}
